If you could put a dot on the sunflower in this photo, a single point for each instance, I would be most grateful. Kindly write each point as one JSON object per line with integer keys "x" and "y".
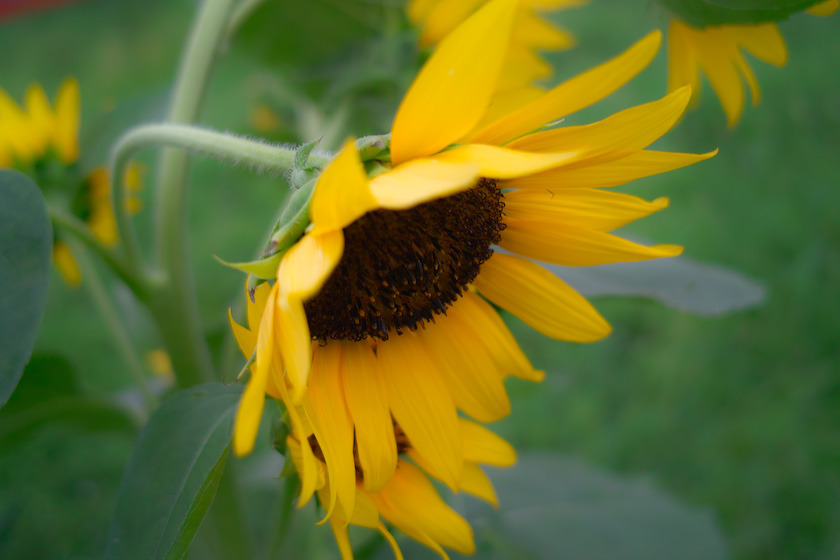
{"x": 717, "y": 52}
{"x": 378, "y": 326}
{"x": 35, "y": 134}
{"x": 531, "y": 33}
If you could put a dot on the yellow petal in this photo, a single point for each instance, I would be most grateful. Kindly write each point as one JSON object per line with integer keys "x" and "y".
{"x": 342, "y": 539}
{"x": 520, "y": 68}
{"x": 253, "y": 398}
{"x": 422, "y": 180}
{"x": 441, "y": 19}
{"x": 41, "y": 116}
{"x": 311, "y": 476}
{"x": 256, "y": 308}
{"x": 499, "y": 342}
{"x": 454, "y": 87}
{"x": 744, "y": 68}
{"x": 624, "y": 132}
{"x": 476, "y": 483}
{"x": 22, "y": 139}
{"x": 309, "y": 263}
{"x": 682, "y": 64}
{"x": 341, "y": 194}
{"x": 333, "y": 425}
{"x": 765, "y": 42}
{"x": 421, "y": 404}
{"x": 587, "y": 208}
{"x": 367, "y": 400}
{"x": 473, "y": 377}
{"x": 412, "y": 504}
{"x": 609, "y": 174}
{"x": 570, "y": 246}
{"x": 716, "y": 56}
{"x": 294, "y": 343}
{"x": 504, "y": 163}
{"x": 245, "y": 339}
{"x": 66, "y": 264}
{"x": 419, "y": 10}
{"x": 575, "y": 94}
{"x": 539, "y": 298}
{"x": 536, "y": 33}
{"x": 67, "y": 121}
{"x": 510, "y": 99}
{"x": 483, "y": 446}
{"x": 824, "y": 8}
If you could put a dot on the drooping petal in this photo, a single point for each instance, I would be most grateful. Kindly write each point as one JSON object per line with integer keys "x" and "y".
{"x": 470, "y": 372}
{"x": 309, "y": 263}
{"x": 539, "y": 298}
{"x": 67, "y": 111}
{"x": 483, "y": 446}
{"x": 574, "y": 94}
{"x": 765, "y": 42}
{"x": 245, "y": 339}
{"x": 622, "y": 133}
{"x": 422, "y": 180}
{"x": 682, "y": 63}
{"x": 333, "y": 425}
{"x": 454, "y": 87}
{"x": 716, "y": 56}
{"x": 412, "y": 504}
{"x": 609, "y": 174}
{"x": 498, "y": 340}
{"x": 341, "y": 194}
{"x": 601, "y": 210}
{"x": 421, "y": 404}
{"x": 504, "y": 163}
{"x": 475, "y": 482}
{"x": 256, "y": 308}
{"x": 570, "y": 246}
{"x": 309, "y": 469}
{"x": 342, "y": 539}
{"x": 294, "y": 342}
{"x": 367, "y": 401}
{"x": 253, "y": 398}
{"x": 65, "y": 263}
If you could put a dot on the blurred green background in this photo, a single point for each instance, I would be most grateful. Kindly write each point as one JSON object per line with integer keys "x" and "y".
{"x": 737, "y": 414}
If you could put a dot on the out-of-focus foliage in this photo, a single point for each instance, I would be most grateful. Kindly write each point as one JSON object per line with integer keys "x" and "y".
{"x": 701, "y": 13}
{"x": 25, "y": 244}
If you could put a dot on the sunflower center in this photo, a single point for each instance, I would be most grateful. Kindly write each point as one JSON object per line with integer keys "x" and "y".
{"x": 401, "y": 267}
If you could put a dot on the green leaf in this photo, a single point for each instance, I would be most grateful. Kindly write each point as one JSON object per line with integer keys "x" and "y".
{"x": 702, "y": 13}
{"x": 173, "y": 474}
{"x": 679, "y": 282}
{"x": 264, "y": 269}
{"x": 554, "y": 507}
{"x": 25, "y": 244}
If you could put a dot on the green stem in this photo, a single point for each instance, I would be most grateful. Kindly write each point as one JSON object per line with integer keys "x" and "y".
{"x": 177, "y": 310}
{"x": 284, "y": 516}
{"x": 72, "y": 225}
{"x": 116, "y": 326}
{"x": 224, "y": 146}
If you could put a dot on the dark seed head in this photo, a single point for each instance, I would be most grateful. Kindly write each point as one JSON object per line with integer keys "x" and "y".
{"x": 401, "y": 267}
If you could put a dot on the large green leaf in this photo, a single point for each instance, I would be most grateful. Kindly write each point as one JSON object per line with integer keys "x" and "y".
{"x": 25, "y": 244}
{"x": 555, "y": 507}
{"x": 681, "y": 283}
{"x": 173, "y": 474}
{"x": 701, "y": 13}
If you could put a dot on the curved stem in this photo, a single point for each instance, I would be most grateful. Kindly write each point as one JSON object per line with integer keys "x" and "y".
{"x": 103, "y": 303}
{"x": 224, "y": 146}
{"x": 139, "y": 284}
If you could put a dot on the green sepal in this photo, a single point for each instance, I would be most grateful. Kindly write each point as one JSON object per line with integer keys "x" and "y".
{"x": 264, "y": 269}
{"x": 704, "y": 13}
{"x": 374, "y": 147}
{"x": 279, "y": 432}
{"x": 302, "y": 171}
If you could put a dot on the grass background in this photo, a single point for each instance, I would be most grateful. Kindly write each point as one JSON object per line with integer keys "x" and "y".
{"x": 739, "y": 414}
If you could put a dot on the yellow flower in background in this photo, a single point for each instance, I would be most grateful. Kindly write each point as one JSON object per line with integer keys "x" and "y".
{"x": 717, "y": 52}
{"x": 34, "y": 132}
{"x": 531, "y": 33}
{"x": 377, "y": 326}
{"x": 29, "y": 132}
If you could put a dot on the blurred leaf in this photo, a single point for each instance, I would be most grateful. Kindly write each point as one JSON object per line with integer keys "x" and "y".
{"x": 701, "y": 13}
{"x": 679, "y": 282}
{"x": 555, "y": 507}
{"x": 48, "y": 394}
{"x": 173, "y": 474}
{"x": 25, "y": 244}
